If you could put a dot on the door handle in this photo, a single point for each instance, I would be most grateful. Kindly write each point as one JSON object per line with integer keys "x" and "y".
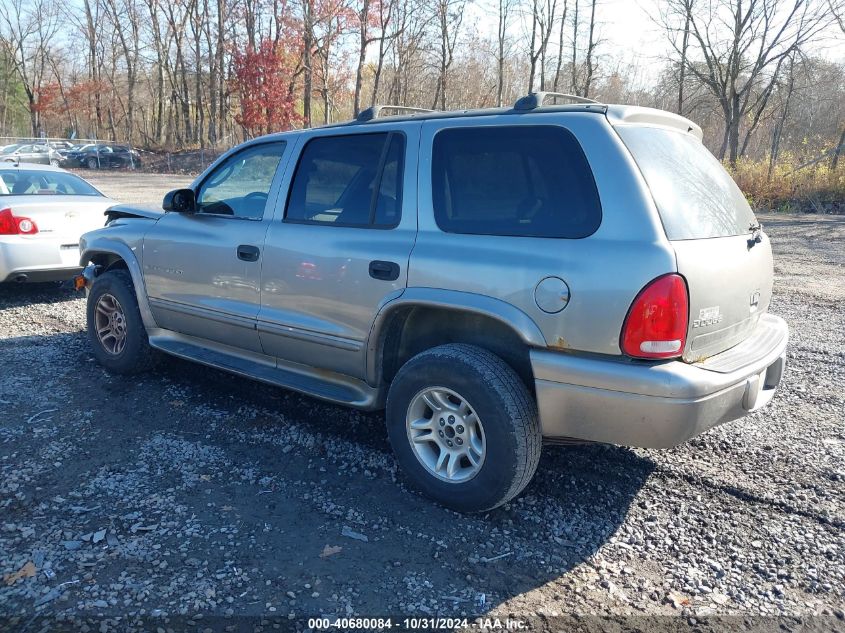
{"x": 248, "y": 253}
{"x": 386, "y": 271}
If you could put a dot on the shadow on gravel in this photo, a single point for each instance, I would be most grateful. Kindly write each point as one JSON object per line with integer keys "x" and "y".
{"x": 21, "y": 294}
{"x": 578, "y": 499}
{"x": 251, "y": 477}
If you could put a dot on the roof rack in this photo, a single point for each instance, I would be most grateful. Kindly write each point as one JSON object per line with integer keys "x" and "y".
{"x": 535, "y": 100}
{"x": 373, "y": 112}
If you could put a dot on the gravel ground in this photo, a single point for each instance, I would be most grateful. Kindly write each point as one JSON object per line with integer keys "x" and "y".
{"x": 192, "y": 493}
{"x": 129, "y": 187}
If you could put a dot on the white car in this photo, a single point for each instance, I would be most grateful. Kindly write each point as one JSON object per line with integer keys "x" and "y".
{"x": 43, "y": 211}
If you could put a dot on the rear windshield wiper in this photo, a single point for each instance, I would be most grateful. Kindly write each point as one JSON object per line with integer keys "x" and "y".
{"x": 756, "y": 230}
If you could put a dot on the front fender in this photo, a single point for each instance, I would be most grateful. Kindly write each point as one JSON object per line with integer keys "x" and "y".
{"x": 101, "y": 248}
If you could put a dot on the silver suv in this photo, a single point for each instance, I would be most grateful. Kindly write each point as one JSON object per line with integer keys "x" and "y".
{"x": 494, "y": 279}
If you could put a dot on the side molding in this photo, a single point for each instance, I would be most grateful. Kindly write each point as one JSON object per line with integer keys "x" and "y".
{"x": 501, "y": 311}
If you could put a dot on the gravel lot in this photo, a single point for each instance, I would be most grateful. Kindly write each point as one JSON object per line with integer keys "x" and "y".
{"x": 189, "y": 492}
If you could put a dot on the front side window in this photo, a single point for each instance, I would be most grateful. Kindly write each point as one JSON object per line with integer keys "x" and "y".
{"x": 353, "y": 180}
{"x": 239, "y": 187}
{"x": 521, "y": 181}
{"x": 31, "y": 182}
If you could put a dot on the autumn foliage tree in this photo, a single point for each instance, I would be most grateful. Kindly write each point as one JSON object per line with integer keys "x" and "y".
{"x": 264, "y": 83}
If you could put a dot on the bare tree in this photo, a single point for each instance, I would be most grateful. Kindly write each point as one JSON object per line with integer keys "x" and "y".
{"x": 777, "y": 132}
{"x": 742, "y": 45}
{"x": 502, "y": 48}
{"x": 387, "y": 34}
{"x": 682, "y": 66}
{"x": 125, "y": 20}
{"x": 543, "y": 14}
{"x": 589, "y": 61}
{"x": 27, "y": 31}
{"x": 574, "y": 66}
{"x": 449, "y": 16}
{"x": 560, "y": 44}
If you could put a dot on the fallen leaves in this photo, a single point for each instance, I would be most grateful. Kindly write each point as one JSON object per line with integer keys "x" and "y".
{"x": 330, "y": 550}
{"x": 27, "y": 571}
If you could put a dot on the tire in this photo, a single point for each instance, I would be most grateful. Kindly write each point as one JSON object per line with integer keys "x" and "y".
{"x": 92, "y": 163}
{"x": 134, "y": 355}
{"x": 507, "y": 413}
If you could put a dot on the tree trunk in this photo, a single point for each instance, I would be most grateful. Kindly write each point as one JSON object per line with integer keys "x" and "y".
{"x": 308, "y": 43}
{"x": 682, "y": 70}
{"x": 560, "y": 48}
{"x": 575, "y": 50}
{"x": 364, "y": 20}
{"x": 500, "y": 60}
{"x": 222, "y": 17}
{"x": 93, "y": 71}
{"x": 838, "y": 151}
{"x": 532, "y": 71}
{"x": 591, "y": 45}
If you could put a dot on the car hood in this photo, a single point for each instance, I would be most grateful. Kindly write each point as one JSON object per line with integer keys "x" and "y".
{"x": 150, "y": 212}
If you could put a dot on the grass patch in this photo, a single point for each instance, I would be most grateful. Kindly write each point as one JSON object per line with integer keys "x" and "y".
{"x": 790, "y": 188}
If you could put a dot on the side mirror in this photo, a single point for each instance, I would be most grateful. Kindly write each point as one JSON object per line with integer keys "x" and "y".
{"x": 180, "y": 200}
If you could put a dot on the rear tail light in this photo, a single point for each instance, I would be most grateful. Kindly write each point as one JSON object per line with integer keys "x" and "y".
{"x": 656, "y": 325}
{"x": 11, "y": 224}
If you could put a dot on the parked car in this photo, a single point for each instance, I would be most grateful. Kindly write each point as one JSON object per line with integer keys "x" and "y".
{"x": 72, "y": 154}
{"x": 493, "y": 278}
{"x": 43, "y": 211}
{"x": 61, "y": 146}
{"x": 31, "y": 153}
{"x": 102, "y": 156}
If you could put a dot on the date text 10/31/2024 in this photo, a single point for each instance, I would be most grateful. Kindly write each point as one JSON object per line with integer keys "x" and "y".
{"x": 416, "y": 624}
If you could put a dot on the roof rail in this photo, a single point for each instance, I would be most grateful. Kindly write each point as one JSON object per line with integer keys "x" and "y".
{"x": 373, "y": 112}
{"x": 535, "y": 100}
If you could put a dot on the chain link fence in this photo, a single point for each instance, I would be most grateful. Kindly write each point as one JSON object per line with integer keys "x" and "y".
{"x": 114, "y": 155}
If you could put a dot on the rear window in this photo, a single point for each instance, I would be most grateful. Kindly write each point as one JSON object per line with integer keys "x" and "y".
{"x": 695, "y": 196}
{"x": 21, "y": 182}
{"x": 523, "y": 181}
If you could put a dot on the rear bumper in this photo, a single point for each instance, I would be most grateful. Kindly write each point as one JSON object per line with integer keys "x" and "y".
{"x": 657, "y": 405}
{"x": 24, "y": 258}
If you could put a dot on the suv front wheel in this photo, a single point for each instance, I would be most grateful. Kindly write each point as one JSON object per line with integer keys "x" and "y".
{"x": 464, "y": 427}
{"x": 115, "y": 328}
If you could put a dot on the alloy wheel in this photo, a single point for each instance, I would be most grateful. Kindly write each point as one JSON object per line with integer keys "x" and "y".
{"x": 111, "y": 324}
{"x": 446, "y": 434}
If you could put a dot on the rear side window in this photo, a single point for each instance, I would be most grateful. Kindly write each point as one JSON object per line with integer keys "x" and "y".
{"x": 525, "y": 181}
{"x": 695, "y": 196}
{"x": 353, "y": 180}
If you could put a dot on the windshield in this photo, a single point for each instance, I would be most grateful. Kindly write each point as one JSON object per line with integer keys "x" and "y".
{"x": 23, "y": 182}
{"x": 695, "y": 196}
{"x": 10, "y": 149}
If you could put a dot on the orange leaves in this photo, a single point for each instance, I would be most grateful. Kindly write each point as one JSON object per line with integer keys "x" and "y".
{"x": 265, "y": 83}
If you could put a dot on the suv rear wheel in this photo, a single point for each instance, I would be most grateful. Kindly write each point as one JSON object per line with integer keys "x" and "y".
{"x": 115, "y": 328}
{"x": 464, "y": 427}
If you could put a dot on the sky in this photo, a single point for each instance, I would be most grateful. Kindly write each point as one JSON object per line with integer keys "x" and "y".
{"x": 628, "y": 32}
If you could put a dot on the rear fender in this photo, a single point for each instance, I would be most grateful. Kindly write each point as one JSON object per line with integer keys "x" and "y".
{"x": 514, "y": 318}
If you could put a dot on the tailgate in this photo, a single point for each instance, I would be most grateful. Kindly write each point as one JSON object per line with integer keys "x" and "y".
{"x": 711, "y": 227}
{"x": 730, "y": 286}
